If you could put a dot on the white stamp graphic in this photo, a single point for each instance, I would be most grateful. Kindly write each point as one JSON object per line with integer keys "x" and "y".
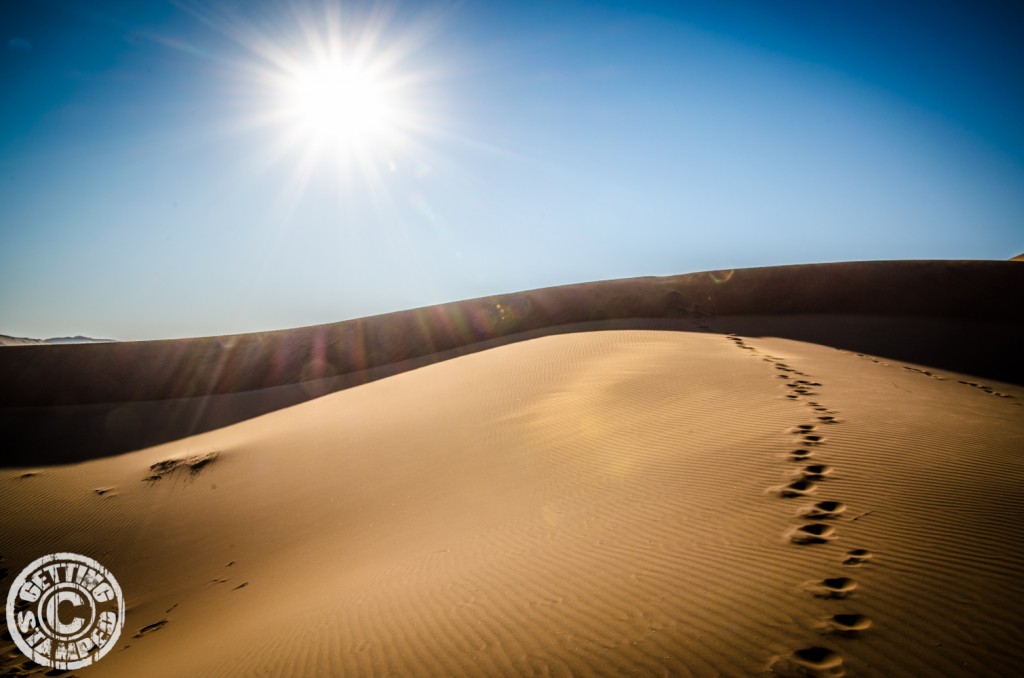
{"x": 65, "y": 611}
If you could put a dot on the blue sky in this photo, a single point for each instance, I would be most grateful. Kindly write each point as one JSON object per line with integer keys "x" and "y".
{"x": 158, "y": 178}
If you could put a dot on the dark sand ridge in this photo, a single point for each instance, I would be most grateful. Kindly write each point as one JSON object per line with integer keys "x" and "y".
{"x": 68, "y": 403}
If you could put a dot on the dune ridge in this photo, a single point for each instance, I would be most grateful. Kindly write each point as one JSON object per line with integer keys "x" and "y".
{"x": 68, "y": 403}
{"x": 986, "y": 290}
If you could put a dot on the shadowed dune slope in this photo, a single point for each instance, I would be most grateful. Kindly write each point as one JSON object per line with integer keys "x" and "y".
{"x": 66, "y": 403}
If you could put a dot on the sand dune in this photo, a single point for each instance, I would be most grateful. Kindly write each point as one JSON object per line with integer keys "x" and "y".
{"x": 691, "y": 493}
{"x": 70, "y": 403}
{"x": 18, "y": 341}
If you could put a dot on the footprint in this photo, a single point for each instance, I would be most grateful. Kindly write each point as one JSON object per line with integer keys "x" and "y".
{"x": 857, "y": 557}
{"x": 804, "y": 428}
{"x": 162, "y": 468}
{"x": 152, "y": 627}
{"x": 816, "y": 471}
{"x": 797, "y": 488}
{"x": 827, "y": 419}
{"x": 102, "y": 490}
{"x": 813, "y": 533}
{"x": 834, "y": 587}
{"x": 813, "y": 439}
{"x": 197, "y": 464}
{"x": 847, "y": 624}
{"x": 801, "y": 455}
{"x": 241, "y": 586}
{"x": 810, "y": 662}
{"x": 824, "y": 510}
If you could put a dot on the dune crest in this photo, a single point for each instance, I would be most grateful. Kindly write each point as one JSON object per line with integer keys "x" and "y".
{"x": 69, "y": 403}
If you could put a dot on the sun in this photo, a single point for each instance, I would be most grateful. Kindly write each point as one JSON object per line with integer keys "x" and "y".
{"x": 338, "y": 93}
{"x": 343, "y": 103}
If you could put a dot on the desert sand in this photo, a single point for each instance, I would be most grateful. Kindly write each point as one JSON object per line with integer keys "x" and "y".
{"x": 797, "y": 471}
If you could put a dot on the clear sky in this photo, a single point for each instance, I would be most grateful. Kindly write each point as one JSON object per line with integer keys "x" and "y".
{"x": 191, "y": 168}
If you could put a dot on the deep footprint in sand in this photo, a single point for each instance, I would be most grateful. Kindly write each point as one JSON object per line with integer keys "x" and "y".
{"x": 151, "y": 628}
{"x": 813, "y": 533}
{"x": 833, "y": 587}
{"x": 847, "y": 624}
{"x": 813, "y": 439}
{"x": 801, "y": 455}
{"x": 857, "y": 557}
{"x": 797, "y": 488}
{"x": 824, "y": 510}
{"x": 816, "y": 471}
{"x": 810, "y": 662}
{"x": 162, "y": 468}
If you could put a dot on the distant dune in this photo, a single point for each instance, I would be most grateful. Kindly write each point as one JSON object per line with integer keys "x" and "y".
{"x": 797, "y": 471}
{"x": 21, "y": 341}
{"x": 18, "y": 341}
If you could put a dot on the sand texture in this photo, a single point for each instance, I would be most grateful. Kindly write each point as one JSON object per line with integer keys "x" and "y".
{"x": 676, "y": 492}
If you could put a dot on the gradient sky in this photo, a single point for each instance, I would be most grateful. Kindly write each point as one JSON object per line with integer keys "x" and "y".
{"x": 145, "y": 191}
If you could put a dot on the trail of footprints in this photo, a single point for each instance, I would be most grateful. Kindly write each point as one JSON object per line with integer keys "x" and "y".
{"x": 938, "y": 377}
{"x": 818, "y": 514}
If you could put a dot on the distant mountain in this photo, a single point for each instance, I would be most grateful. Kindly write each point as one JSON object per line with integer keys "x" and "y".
{"x": 23, "y": 341}
{"x": 1019, "y": 257}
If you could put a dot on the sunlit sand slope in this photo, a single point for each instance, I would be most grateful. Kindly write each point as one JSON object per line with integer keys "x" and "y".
{"x": 618, "y": 502}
